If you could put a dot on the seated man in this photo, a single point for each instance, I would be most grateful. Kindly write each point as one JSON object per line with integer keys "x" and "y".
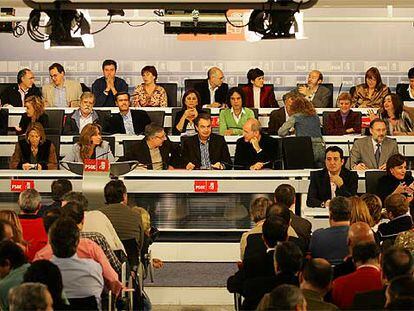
{"x": 331, "y": 243}
{"x": 213, "y": 91}
{"x": 279, "y": 116}
{"x": 59, "y": 188}
{"x": 205, "y": 150}
{"x": 344, "y": 121}
{"x": 407, "y": 94}
{"x": 106, "y": 87}
{"x": 255, "y": 150}
{"x": 127, "y": 121}
{"x": 317, "y": 94}
{"x": 155, "y": 151}
{"x": 61, "y": 92}
{"x": 334, "y": 180}
{"x": 25, "y": 87}
{"x": 372, "y": 152}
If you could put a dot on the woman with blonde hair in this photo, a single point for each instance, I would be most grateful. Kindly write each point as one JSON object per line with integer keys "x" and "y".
{"x": 13, "y": 219}
{"x": 360, "y": 211}
{"x": 90, "y": 146}
{"x": 35, "y": 112}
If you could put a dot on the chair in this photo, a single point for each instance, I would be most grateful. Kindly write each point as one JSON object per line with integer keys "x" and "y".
{"x": 85, "y": 88}
{"x": 109, "y": 139}
{"x": 256, "y": 113}
{"x": 55, "y": 139}
{"x": 371, "y": 180}
{"x": 330, "y": 87}
{"x": 104, "y": 117}
{"x": 174, "y": 113}
{"x": 297, "y": 153}
{"x": 4, "y": 121}
{"x": 55, "y": 119}
{"x": 4, "y": 86}
{"x": 190, "y": 83}
{"x": 352, "y": 90}
{"x": 171, "y": 89}
{"x": 86, "y": 303}
{"x": 157, "y": 117}
{"x": 128, "y": 145}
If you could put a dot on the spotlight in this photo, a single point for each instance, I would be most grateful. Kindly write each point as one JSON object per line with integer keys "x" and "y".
{"x": 273, "y": 24}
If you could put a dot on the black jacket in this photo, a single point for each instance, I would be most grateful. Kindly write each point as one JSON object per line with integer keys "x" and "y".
{"x": 390, "y": 230}
{"x": 71, "y": 128}
{"x": 98, "y": 88}
{"x": 12, "y": 96}
{"x": 220, "y": 95}
{"x": 140, "y": 119}
{"x": 388, "y": 183}
{"x": 25, "y": 122}
{"x": 42, "y": 157}
{"x": 320, "y": 187}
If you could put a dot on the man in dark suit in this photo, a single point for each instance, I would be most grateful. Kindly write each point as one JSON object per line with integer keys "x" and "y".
{"x": 16, "y": 94}
{"x": 255, "y": 150}
{"x": 155, "y": 151}
{"x": 319, "y": 95}
{"x": 279, "y": 116}
{"x": 213, "y": 91}
{"x": 333, "y": 180}
{"x": 205, "y": 150}
{"x": 127, "y": 121}
{"x": 407, "y": 93}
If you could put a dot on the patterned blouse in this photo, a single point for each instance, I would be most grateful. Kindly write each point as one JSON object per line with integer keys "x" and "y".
{"x": 405, "y": 240}
{"x": 403, "y": 124}
{"x": 362, "y": 100}
{"x": 158, "y": 98}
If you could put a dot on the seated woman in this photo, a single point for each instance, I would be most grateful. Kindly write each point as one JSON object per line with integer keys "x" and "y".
{"x": 344, "y": 121}
{"x": 35, "y": 151}
{"x": 76, "y": 121}
{"x": 149, "y": 94}
{"x": 303, "y": 121}
{"x": 90, "y": 146}
{"x": 371, "y": 93}
{"x": 184, "y": 120}
{"x": 35, "y": 112}
{"x": 397, "y": 180}
{"x": 257, "y": 94}
{"x": 233, "y": 118}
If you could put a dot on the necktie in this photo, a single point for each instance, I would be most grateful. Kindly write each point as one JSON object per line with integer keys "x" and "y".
{"x": 378, "y": 153}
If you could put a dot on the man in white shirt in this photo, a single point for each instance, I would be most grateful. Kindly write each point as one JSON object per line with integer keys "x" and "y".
{"x": 213, "y": 91}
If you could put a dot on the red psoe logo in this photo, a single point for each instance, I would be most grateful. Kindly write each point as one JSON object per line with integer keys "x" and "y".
{"x": 19, "y": 185}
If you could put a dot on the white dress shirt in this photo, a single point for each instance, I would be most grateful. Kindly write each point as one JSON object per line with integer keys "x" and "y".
{"x": 256, "y": 96}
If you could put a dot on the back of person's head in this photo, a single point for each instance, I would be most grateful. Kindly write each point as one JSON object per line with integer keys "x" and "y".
{"x": 12, "y": 220}
{"x": 78, "y": 198}
{"x": 279, "y": 210}
{"x": 287, "y": 297}
{"x": 396, "y": 205}
{"x": 396, "y": 261}
{"x": 365, "y": 251}
{"x": 47, "y": 273}
{"x": 339, "y": 209}
{"x": 11, "y": 255}
{"x": 64, "y": 237}
{"x": 288, "y": 257}
{"x": 6, "y": 230}
{"x": 115, "y": 191}
{"x": 74, "y": 211}
{"x": 360, "y": 232}
{"x": 285, "y": 194}
{"x": 50, "y": 217}
{"x": 400, "y": 286}
{"x": 401, "y": 303}
{"x": 274, "y": 230}
{"x": 60, "y": 187}
{"x": 360, "y": 211}
{"x": 30, "y": 296}
{"x": 318, "y": 273}
{"x": 29, "y": 201}
{"x": 374, "y": 205}
{"x": 258, "y": 208}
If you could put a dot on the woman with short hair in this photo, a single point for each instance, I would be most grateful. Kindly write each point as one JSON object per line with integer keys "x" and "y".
{"x": 148, "y": 93}
{"x": 257, "y": 94}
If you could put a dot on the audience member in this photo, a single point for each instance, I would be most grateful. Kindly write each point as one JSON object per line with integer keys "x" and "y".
{"x": 47, "y": 273}
{"x": 367, "y": 276}
{"x": 90, "y": 146}
{"x": 58, "y": 189}
{"x": 284, "y": 297}
{"x": 155, "y": 151}
{"x": 191, "y": 108}
{"x": 313, "y": 91}
{"x": 303, "y": 121}
{"x": 257, "y": 94}
{"x": 407, "y": 93}
{"x": 6, "y": 230}
{"x": 105, "y": 88}
{"x": 32, "y": 224}
{"x": 205, "y": 150}
{"x": 399, "y": 287}
{"x": 331, "y": 243}
{"x": 315, "y": 283}
{"x": 255, "y": 150}
{"x": 35, "y": 151}
{"x": 395, "y": 262}
{"x": 35, "y": 112}
{"x": 16, "y": 94}
{"x": 344, "y": 121}
{"x": 31, "y": 296}
{"x": 370, "y": 93}
{"x": 334, "y": 180}
{"x": 61, "y": 92}
{"x": 396, "y": 206}
{"x": 13, "y": 265}
{"x": 213, "y": 91}
{"x": 127, "y": 121}
{"x": 12, "y": 219}
{"x": 279, "y": 116}
{"x": 149, "y": 94}
{"x": 235, "y": 116}
{"x": 397, "y": 180}
{"x": 374, "y": 205}
{"x": 77, "y": 120}
{"x": 372, "y": 152}
{"x": 360, "y": 211}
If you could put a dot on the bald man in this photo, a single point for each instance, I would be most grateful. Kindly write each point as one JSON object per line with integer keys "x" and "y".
{"x": 213, "y": 91}
{"x": 319, "y": 95}
{"x": 255, "y": 150}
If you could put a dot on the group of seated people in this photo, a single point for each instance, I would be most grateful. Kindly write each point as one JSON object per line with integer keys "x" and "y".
{"x": 75, "y": 252}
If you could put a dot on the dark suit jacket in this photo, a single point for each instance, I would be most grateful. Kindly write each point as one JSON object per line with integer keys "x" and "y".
{"x": 372, "y": 300}
{"x": 220, "y": 95}
{"x": 267, "y": 97}
{"x": 302, "y": 227}
{"x": 71, "y": 128}
{"x": 12, "y": 96}
{"x": 98, "y": 88}
{"x": 25, "y": 122}
{"x": 320, "y": 188}
{"x": 246, "y": 155}
{"x": 334, "y": 125}
{"x": 276, "y": 119}
{"x": 140, "y": 119}
{"x": 403, "y": 93}
{"x": 217, "y": 147}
